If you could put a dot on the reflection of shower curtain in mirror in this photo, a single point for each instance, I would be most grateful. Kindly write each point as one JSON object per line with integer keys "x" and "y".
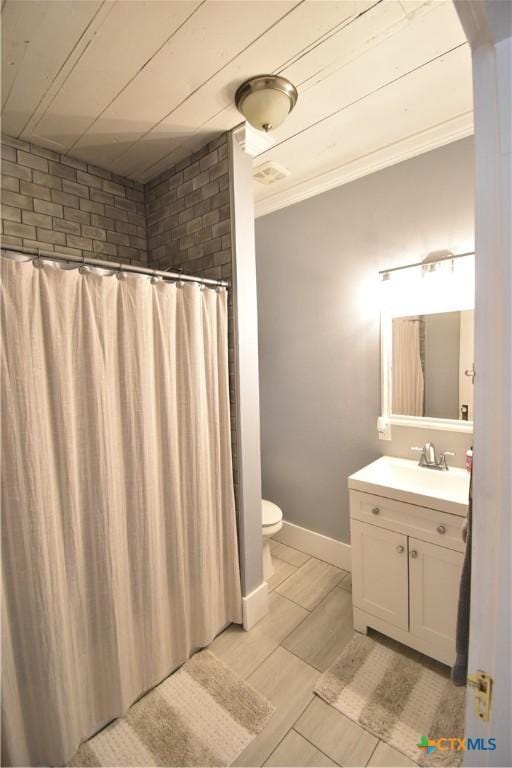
{"x": 408, "y": 382}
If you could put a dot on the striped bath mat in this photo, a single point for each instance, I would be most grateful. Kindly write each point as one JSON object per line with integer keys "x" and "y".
{"x": 397, "y": 694}
{"x": 201, "y": 715}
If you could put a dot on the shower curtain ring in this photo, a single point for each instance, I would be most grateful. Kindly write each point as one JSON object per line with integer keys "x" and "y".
{"x": 120, "y": 274}
{"x": 155, "y": 278}
{"x": 83, "y": 268}
{"x": 37, "y": 260}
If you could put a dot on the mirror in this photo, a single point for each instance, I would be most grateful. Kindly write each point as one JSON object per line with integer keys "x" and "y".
{"x": 427, "y": 330}
{"x": 432, "y": 365}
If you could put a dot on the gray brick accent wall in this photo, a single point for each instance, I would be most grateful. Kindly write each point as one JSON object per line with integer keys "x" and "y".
{"x": 53, "y": 202}
{"x": 188, "y": 214}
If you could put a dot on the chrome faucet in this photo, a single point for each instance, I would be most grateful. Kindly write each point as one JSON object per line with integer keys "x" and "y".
{"x": 429, "y": 458}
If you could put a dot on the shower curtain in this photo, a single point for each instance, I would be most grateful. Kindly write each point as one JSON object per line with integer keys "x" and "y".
{"x": 407, "y": 374}
{"x": 118, "y": 521}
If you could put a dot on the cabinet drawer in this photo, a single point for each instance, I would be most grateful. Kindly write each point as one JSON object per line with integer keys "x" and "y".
{"x": 420, "y": 522}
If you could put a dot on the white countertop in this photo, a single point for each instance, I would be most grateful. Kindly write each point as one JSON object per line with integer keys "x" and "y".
{"x": 404, "y": 480}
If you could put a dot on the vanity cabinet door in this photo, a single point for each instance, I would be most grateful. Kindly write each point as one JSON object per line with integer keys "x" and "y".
{"x": 434, "y": 576}
{"x": 379, "y": 573}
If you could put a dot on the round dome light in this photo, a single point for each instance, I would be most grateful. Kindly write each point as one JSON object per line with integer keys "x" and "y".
{"x": 266, "y": 101}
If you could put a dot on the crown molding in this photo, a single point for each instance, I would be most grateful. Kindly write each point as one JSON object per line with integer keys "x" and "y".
{"x": 437, "y": 136}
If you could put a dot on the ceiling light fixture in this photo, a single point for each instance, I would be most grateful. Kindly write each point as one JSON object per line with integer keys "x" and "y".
{"x": 266, "y": 101}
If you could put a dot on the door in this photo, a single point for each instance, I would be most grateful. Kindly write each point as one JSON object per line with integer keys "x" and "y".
{"x": 379, "y": 573}
{"x": 434, "y": 577}
{"x": 487, "y": 25}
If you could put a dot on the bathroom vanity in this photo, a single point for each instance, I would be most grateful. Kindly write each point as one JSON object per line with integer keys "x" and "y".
{"x": 407, "y": 552}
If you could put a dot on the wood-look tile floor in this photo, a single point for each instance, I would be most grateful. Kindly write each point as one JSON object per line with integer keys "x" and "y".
{"x": 308, "y": 625}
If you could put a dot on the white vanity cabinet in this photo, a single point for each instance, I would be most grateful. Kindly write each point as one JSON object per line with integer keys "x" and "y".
{"x": 407, "y": 561}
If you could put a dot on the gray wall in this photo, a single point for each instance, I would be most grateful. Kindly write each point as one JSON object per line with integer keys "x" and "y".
{"x": 317, "y": 265}
{"x": 442, "y": 353}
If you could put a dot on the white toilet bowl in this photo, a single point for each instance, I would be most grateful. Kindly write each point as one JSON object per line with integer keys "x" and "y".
{"x": 272, "y": 522}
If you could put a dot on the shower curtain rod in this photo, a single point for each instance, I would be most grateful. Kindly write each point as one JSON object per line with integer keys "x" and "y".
{"x": 114, "y": 265}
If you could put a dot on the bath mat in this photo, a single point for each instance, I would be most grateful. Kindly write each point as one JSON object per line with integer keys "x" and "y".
{"x": 399, "y": 695}
{"x": 201, "y": 715}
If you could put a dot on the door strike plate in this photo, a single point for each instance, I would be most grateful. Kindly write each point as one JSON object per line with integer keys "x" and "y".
{"x": 481, "y": 683}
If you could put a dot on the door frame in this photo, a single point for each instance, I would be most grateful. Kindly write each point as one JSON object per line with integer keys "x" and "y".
{"x": 488, "y": 27}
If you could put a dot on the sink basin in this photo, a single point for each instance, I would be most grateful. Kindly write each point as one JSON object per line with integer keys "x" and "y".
{"x": 404, "y": 480}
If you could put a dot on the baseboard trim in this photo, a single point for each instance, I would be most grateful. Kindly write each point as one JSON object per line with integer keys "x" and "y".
{"x": 315, "y": 544}
{"x": 255, "y": 606}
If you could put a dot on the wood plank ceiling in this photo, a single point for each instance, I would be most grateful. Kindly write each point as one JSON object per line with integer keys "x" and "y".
{"x": 136, "y": 85}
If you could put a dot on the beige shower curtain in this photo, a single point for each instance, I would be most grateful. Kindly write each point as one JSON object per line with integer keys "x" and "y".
{"x": 407, "y": 373}
{"x": 118, "y": 522}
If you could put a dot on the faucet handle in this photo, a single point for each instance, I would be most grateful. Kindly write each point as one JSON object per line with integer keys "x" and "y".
{"x": 442, "y": 458}
{"x": 423, "y": 459}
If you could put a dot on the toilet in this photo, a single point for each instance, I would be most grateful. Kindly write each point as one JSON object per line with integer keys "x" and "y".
{"x": 272, "y": 522}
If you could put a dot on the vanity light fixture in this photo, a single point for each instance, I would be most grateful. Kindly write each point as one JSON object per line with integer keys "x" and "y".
{"x": 441, "y": 265}
{"x": 266, "y": 101}
{"x": 443, "y": 285}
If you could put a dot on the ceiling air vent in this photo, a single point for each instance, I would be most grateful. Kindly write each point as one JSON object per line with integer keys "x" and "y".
{"x": 269, "y": 173}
